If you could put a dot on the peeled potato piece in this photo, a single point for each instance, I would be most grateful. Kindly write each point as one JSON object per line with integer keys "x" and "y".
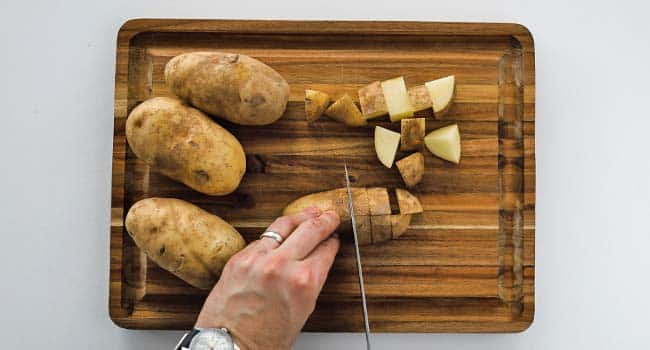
{"x": 386, "y": 144}
{"x": 445, "y": 143}
{"x": 442, "y": 93}
{"x": 397, "y": 99}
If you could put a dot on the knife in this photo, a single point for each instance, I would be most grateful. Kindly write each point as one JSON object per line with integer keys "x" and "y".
{"x": 356, "y": 250}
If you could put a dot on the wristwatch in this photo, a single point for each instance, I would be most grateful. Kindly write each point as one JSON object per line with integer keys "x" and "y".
{"x": 207, "y": 339}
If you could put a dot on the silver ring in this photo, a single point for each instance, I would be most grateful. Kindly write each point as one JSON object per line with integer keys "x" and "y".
{"x": 272, "y": 235}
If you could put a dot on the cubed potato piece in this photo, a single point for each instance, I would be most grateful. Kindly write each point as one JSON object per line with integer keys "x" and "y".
{"x": 412, "y": 134}
{"x": 386, "y": 144}
{"x": 442, "y": 93}
{"x": 316, "y": 102}
{"x": 399, "y": 223}
{"x": 381, "y": 228}
{"x": 420, "y": 98}
{"x": 408, "y": 203}
{"x": 411, "y": 168}
{"x": 345, "y": 111}
{"x": 445, "y": 143}
{"x": 372, "y": 101}
{"x": 397, "y": 99}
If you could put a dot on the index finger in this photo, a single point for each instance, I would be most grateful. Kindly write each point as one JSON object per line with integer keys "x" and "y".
{"x": 309, "y": 234}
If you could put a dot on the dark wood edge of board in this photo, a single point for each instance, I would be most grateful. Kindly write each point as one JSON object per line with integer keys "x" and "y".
{"x": 522, "y": 41}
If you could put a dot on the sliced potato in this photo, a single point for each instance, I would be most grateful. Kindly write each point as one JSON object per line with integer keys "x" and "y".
{"x": 386, "y": 144}
{"x": 411, "y": 168}
{"x": 445, "y": 143}
{"x": 345, "y": 111}
{"x": 408, "y": 203}
{"x": 442, "y": 93}
{"x": 399, "y": 223}
{"x": 372, "y": 101}
{"x": 316, "y": 102}
{"x": 381, "y": 228}
{"x": 412, "y": 133}
{"x": 420, "y": 98}
{"x": 378, "y": 201}
{"x": 364, "y": 229}
{"x": 397, "y": 99}
{"x": 370, "y": 228}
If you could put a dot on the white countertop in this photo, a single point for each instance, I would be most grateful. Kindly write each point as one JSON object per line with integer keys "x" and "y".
{"x": 593, "y": 185}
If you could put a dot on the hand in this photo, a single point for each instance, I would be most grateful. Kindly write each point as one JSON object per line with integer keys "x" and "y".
{"x": 267, "y": 291}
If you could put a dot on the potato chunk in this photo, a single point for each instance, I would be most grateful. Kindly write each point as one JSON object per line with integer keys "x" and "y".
{"x": 411, "y": 168}
{"x": 397, "y": 99}
{"x": 316, "y": 102}
{"x": 445, "y": 143}
{"x": 372, "y": 101}
{"x": 345, "y": 111}
{"x": 386, "y": 144}
{"x": 442, "y": 93}
{"x": 412, "y": 134}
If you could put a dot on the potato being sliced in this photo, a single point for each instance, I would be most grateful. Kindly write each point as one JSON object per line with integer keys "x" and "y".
{"x": 408, "y": 203}
{"x": 364, "y": 229}
{"x": 445, "y": 143}
{"x": 412, "y": 134}
{"x": 399, "y": 223}
{"x": 315, "y": 104}
{"x": 420, "y": 98}
{"x": 411, "y": 168}
{"x": 372, "y": 101}
{"x": 441, "y": 92}
{"x": 370, "y": 228}
{"x": 381, "y": 228}
{"x": 345, "y": 111}
{"x": 386, "y": 144}
{"x": 378, "y": 201}
{"x": 397, "y": 99}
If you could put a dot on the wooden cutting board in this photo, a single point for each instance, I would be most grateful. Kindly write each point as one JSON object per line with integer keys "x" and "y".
{"x": 467, "y": 264}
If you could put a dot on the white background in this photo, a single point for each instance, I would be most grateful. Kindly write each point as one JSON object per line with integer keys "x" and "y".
{"x": 57, "y": 64}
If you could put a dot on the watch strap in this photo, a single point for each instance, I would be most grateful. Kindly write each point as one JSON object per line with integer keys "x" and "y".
{"x": 184, "y": 344}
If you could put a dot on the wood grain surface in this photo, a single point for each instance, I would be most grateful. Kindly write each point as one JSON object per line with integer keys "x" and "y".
{"x": 467, "y": 264}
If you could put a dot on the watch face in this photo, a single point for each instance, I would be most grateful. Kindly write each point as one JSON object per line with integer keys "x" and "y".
{"x": 211, "y": 339}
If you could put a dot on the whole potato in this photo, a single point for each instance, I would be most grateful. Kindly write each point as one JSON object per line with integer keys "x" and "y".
{"x": 234, "y": 87}
{"x": 183, "y": 239}
{"x": 183, "y": 143}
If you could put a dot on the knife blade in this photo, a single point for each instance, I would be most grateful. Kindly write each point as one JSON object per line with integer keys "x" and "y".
{"x": 358, "y": 256}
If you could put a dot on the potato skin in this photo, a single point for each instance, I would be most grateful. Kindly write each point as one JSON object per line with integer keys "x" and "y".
{"x": 183, "y": 143}
{"x": 336, "y": 200}
{"x": 411, "y": 168}
{"x": 183, "y": 239}
{"x": 231, "y": 86}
